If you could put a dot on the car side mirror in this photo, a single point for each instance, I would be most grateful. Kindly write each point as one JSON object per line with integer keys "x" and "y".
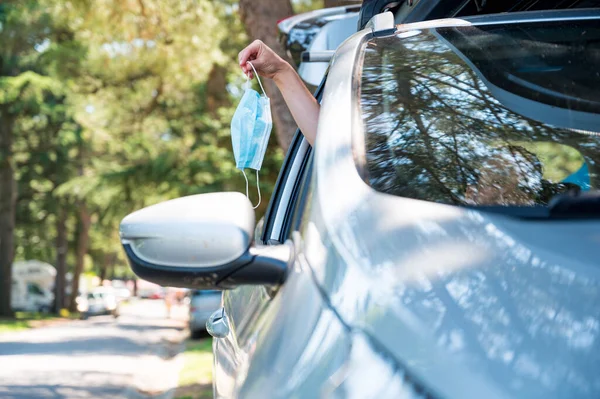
{"x": 201, "y": 241}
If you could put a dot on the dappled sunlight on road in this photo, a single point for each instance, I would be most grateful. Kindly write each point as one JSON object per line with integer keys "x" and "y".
{"x": 102, "y": 357}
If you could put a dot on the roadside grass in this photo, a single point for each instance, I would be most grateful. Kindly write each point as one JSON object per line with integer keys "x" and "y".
{"x": 195, "y": 379}
{"x": 27, "y": 320}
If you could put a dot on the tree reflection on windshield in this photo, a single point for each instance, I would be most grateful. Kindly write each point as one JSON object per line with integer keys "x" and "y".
{"x": 435, "y": 131}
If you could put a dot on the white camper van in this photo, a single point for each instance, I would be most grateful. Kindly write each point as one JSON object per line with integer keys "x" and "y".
{"x": 32, "y": 283}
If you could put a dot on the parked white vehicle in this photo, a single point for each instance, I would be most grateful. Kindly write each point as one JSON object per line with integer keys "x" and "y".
{"x": 32, "y": 283}
{"x": 120, "y": 290}
{"x": 100, "y": 301}
{"x": 203, "y": 303}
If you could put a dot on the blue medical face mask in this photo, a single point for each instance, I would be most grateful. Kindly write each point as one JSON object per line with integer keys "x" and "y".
{"x": 250, "y": 130}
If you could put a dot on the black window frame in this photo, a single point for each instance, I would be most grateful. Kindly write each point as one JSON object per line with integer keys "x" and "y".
{"x": 294, "y": 222}
{"x": 275, "y": 202}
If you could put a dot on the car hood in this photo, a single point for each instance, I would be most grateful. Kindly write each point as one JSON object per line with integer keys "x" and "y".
{"x": 510, "y": 302}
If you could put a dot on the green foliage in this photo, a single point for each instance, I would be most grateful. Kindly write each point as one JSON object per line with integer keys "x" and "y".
{"x": 27, "y": 320}
{"x": 118, "y": 105}
{"x": 195, "y": 379}
{"x": 301, "y": 6}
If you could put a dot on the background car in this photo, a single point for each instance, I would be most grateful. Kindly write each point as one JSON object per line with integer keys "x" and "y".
{"x": 120, "y": 290}
{"x": 100, "y": 301}
{"x": 157, "y": 294}
{"x": 146, "y": 289}
{"x": 31, "y": 288}
{"x": 122, "y": 294}
{"x": 202, "y": 304}
{"x": 311, "y": 38}
{"x": 318, "y": 31}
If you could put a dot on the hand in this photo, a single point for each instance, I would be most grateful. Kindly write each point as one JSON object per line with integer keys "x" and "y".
{"x": 266, "y": 62}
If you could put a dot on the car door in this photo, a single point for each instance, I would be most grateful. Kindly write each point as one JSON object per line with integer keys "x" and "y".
{"x": 243, "y": 307}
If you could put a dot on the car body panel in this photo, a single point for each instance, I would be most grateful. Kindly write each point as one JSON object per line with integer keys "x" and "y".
{"x": 275, "y": 345}
{"x": 509, "y": 306}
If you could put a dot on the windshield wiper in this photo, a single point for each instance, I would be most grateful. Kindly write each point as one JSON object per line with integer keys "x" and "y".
{"x": 562, "y": 206}
{"x": 582, "y": 204}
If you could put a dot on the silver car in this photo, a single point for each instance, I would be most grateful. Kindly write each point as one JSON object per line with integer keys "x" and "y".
{"x": 442, "y": 240}
{"x": 202, "y": 304}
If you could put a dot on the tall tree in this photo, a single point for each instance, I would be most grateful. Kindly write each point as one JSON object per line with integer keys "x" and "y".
{"x": 8, "y": 199}
{"x": 135, "y": 86}
{"x": 26, "y": 31}
{"x": 61, "y": 259}
{"x": 260, "y": 20}
{"x": 83, "y": 236}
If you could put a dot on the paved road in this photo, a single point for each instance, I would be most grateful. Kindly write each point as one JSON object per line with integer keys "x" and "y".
{"x": 131, "y": 357}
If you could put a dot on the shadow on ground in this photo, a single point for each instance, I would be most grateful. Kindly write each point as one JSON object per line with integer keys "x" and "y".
{"x": 107, "y": 345}
{"x": 93, "y": 385}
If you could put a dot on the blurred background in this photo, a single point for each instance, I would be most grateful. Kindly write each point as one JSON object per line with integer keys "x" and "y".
{"x": 106, "y": 107}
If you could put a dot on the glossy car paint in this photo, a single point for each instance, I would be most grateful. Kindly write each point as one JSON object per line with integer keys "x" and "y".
{"x": 171, "y": 232}
{"x": 506, "y": 305}
{"x": 276, "y": 340}
{"x": 455, "y": 303}
{"x": 294, "y": 345}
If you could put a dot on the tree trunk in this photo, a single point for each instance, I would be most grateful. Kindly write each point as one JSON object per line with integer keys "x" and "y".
{"x": 61, "y": 258}
{"x": 8, "y": 202}
{"x": 83, "y": 238}
{"x": 216, "y": 97}
{"x": 104, "y": 267}
{"x": 113, "y": 265}
{"x": 113, "y": 274}
{"x": 102, "y": 274}
{"x": 336, "y": 3}
{"x": 260, "y": 20}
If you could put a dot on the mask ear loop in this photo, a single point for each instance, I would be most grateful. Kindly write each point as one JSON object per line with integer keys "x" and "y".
{"x": 247, "y": 84}
{"x": 258, "y": 78}
{"x": 257, "y": 186}
{"x": 245, "y": 178}
{"x": 257, "y": 180}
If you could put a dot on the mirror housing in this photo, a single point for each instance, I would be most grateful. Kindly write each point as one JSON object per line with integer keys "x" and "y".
{"x": 201, "y": 241}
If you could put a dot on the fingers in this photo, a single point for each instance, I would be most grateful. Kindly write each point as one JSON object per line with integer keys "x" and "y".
{"x": 265, "y": 61}
{"x": 247, "y": 70}
{"x": 249, "y": 53}
{"x": 249, "y": 73}
{"x": 253, "y": 68}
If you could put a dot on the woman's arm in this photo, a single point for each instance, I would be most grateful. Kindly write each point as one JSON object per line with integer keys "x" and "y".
{"x": 303, "y": 106}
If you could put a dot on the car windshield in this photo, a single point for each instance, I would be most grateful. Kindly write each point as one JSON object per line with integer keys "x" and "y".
{"x": 34, "y": 289}
{"x": 501, "y": 116}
